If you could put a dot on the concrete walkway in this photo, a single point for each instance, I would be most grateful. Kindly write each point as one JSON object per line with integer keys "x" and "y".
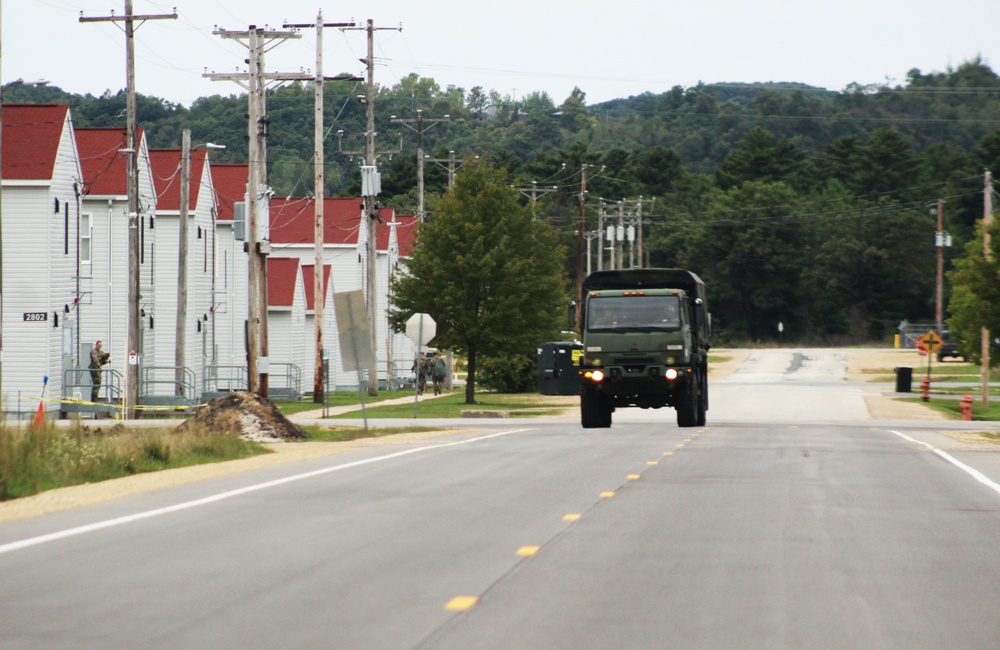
{"x": 333, "y": 411}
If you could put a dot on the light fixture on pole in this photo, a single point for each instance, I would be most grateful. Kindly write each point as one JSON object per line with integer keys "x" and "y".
{"x": 180, "y": 340}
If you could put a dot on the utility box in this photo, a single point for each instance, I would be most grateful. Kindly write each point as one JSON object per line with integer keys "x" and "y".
{"x": 558, "y": 365}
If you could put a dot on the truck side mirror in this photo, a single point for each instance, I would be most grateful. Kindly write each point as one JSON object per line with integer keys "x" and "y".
{"x": 572, "y": 314}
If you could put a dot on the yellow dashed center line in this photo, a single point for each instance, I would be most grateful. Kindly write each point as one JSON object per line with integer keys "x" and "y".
{"x": 527, "y": 551}
{"x": 634, "y": 477}
{"x": 652, "y": 462}
{"x": 461, "y": 603}
{"x": 573, "y": 516}
{"x": 668, "y": 453}
{"x": 607, "y": 495}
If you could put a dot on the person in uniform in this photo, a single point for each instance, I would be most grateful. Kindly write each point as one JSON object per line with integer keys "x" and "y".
{"x": 439, "y": 372}
{"x": 419, "y": 377}
{"x": 98, "y": 358}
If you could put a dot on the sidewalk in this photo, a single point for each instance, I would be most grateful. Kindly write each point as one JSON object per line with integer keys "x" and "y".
{"x": 317, "y": 414}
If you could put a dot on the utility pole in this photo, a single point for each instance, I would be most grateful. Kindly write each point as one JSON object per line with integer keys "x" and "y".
{"x": 533, "y": 191}
{"x": 371, "y": 206}
{"x": 319, "y": 296}
{"x": 620, "y": 235}
{"x": 258, "y": 244}
{"x": 180, "y": 337}
{"x": 452, "y": 165}
{"x": 939, "y": 293}
{"x": 420, "y": 120}
{"x": 132, "y": 341}
{"x": 579, "y": 241}
{"x": 600, "y": 236}
{"x": 985, "y": 334}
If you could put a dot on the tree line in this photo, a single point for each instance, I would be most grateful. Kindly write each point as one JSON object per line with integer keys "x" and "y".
{"x": 797, "y": 205}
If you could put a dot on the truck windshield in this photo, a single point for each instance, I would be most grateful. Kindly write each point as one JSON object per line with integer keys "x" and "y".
{"x": 633, "y": 312}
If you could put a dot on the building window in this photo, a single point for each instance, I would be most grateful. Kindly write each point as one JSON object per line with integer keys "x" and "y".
{"x": 86, "y": 232}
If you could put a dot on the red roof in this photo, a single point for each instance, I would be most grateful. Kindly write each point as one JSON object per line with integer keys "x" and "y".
{"x": 31, "y": 134}
{"x": 105, "y": 168}
{"x": 282, "y": 272}
{"x": 307, "y": 277}
{"x": 230, "y": 182}
{"x": 293, "y": 222}
{"x": 166, "y": 165}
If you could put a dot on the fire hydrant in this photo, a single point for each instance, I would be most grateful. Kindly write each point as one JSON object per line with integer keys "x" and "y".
{"x": 965, "y": 406}
{"x": 925, "y": 389}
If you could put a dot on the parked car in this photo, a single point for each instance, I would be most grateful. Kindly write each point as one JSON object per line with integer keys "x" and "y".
{"x": 949, "y": 349}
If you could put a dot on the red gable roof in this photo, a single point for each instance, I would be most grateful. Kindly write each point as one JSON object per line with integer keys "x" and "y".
{"x": 105, "y": 168}
{"x": 230, "y": 182}
{"x": 166, "y": 165}
{"x": 282, "y": 272}
{"x": 31, "y": 134}
{"x": 293, "y": 222}
{"x": 308, "y": 278}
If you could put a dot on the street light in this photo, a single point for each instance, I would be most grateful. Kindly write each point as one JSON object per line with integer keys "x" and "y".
{"x": 180, "y": 339}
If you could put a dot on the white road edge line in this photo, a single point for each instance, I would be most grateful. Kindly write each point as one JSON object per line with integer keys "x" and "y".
{"x": 119, "y": 521}
{"x": 974, "y": 473}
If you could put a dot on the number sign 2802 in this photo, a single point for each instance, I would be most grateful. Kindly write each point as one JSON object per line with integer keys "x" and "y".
{"x": 36, "y": 316}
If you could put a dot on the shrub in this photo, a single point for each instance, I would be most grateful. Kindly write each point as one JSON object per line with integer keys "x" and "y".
{"x": 516, "y": 373}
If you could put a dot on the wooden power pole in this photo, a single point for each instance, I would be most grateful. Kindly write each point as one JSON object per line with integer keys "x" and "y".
{"x": 370, "y": 189}
{"x": 420, "y": 122}
{"x": 319, "y": 297}
{"x": 985, "y": 334}
{"x": 180, "y": 337}
{"x": 255, "y": 80}
{"x": 132, "y": 339}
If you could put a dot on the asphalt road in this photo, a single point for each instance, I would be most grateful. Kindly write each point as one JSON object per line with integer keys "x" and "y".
{"x": 769, "y": 528}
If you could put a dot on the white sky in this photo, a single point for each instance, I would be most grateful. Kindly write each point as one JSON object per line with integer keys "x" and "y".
{"x": 608, "y": 49}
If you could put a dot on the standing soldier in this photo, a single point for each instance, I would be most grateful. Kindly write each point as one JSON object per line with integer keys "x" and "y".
{"x": 98, "y": 358}
{"x": 426, "y": 370}
{"x": 440, "y": 371}
{"x": 419, "y": 377}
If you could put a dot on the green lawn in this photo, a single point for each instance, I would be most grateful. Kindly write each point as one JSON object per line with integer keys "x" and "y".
{"x": 452, "y": 405}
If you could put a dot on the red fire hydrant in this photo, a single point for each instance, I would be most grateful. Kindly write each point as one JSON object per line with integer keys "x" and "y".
{"x": 925, "y": 389}
{"x": 965, "y": 406}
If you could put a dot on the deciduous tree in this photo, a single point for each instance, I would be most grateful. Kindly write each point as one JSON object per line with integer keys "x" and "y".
{"x": 489, "y": 274}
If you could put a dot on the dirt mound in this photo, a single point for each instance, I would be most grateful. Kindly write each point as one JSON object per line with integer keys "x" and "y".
{"x": 247, "y": 415}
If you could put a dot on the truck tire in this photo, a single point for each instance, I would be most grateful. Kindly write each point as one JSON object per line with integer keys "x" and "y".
{"x": 703, "y": 399}
{"x": 595, "y": 411}
{"x": 689, "y": 404}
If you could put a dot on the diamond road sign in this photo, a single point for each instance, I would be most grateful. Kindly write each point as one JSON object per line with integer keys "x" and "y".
{"x": 931, "y": 341}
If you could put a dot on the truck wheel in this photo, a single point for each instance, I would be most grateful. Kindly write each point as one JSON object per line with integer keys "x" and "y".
{"x": 689, "y": 404}
{"x": 703, "y": 400}
{"x": 595, "y": 411}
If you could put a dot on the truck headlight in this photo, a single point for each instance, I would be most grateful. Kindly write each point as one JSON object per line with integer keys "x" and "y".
{"x": 597, "y": 376}
{"x": 671, "y": 374}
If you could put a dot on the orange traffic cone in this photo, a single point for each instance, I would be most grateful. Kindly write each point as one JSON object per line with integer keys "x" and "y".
{"x": 40, "y": 414}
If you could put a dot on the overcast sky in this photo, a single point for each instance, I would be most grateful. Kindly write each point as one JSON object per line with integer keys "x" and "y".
{"x": 608, "y": 49}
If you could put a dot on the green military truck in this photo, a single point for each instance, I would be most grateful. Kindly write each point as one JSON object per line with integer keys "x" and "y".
{"x": 645, "y": 338}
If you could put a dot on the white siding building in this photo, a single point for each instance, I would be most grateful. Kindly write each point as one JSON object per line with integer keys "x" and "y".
{"x": 104, "y": 264}
{"x": 201, "y": 232}
{"x": 41, "y": 174}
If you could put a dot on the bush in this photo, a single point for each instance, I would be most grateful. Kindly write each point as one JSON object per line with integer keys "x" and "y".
{"x": 517, "y": 373}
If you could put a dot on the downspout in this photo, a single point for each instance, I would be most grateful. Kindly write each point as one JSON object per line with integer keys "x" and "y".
{"x": 76, "y": 298}
{"x": 111, "y": 221}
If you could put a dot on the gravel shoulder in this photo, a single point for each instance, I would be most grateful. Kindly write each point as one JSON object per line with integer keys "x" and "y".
{"x": 862, "y": 366}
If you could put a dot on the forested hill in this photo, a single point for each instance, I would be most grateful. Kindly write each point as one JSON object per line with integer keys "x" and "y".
{"x": 800, "y": 205}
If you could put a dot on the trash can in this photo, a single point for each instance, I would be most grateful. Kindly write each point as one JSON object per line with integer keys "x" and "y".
{"x": 557, "y": 368}
{"x": 904, "y": 379}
